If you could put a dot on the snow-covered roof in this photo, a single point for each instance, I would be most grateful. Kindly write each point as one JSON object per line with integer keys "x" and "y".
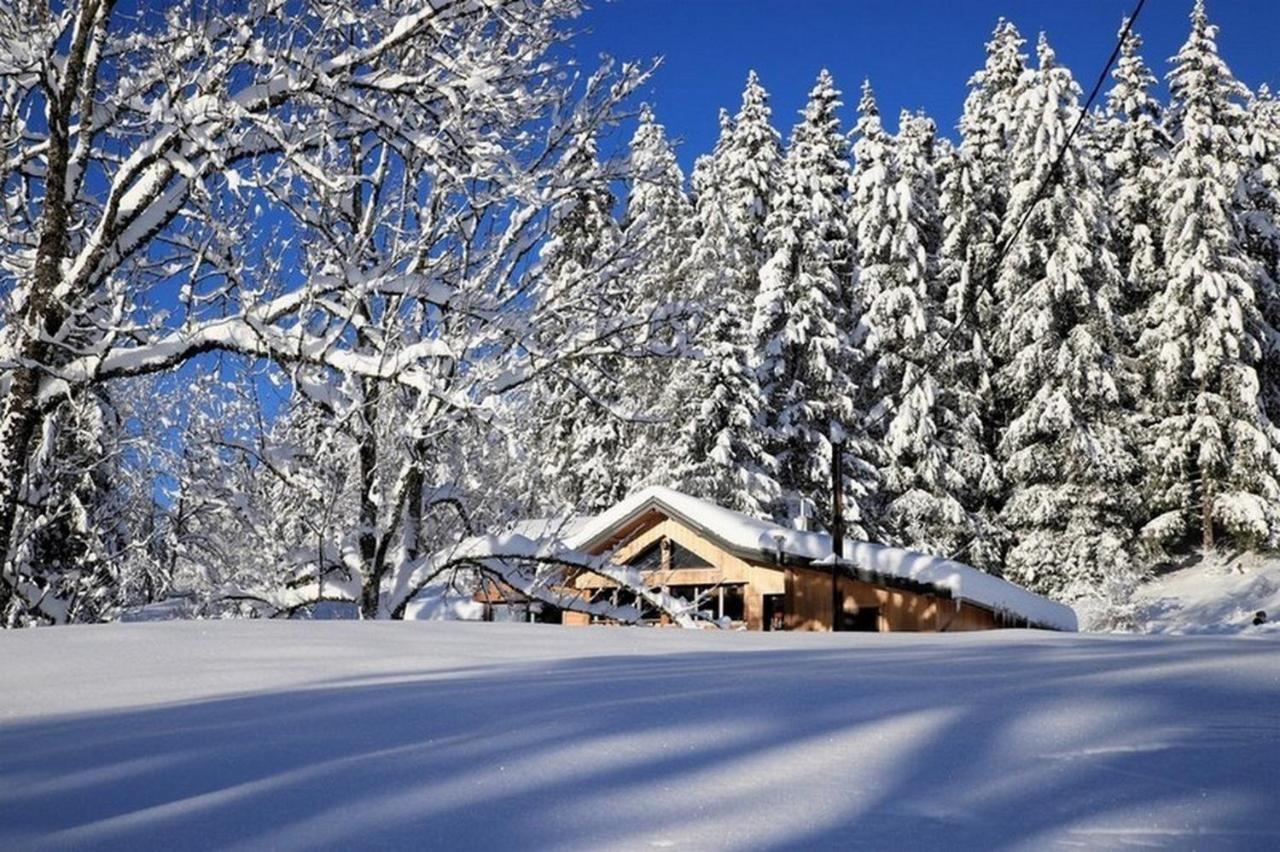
{"x": 563, "y": 528}
{"x": 753, "y": 536}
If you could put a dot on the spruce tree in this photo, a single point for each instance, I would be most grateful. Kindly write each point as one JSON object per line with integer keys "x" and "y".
{"x": 1261, "y": 222}
{"x": 927, "y": 455}
{"x": 1215, "y": 461}
{"x": 807, "y": 364}
{"x": 659, "y": 228}
{"x": 749, "y": 164}
{"x": 578, "y": 437}
{"x": 1068, "y": 452}
{"x": 716, "y": 450}
{"x": 973, "y": 199}
{"x": 1135, "y": 150}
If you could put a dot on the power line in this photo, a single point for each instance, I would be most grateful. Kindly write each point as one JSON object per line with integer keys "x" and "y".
{"x": 1050, "y": 179}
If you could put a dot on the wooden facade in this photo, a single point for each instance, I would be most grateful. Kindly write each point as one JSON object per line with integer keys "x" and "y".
{"x": 775, "y": 595}
{"x": 877, "y": 608}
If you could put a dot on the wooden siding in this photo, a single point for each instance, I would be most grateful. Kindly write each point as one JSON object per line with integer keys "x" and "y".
{"x": 758, "y": 579}
{"x": 809, "y": 601}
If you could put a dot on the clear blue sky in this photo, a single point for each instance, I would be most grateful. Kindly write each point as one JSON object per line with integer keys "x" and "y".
{"x": 917, "y": 53}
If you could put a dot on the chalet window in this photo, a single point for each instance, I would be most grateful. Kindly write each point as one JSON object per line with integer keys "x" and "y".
{"x": 682, "y": 558}
{"x": 734, "y": 609}
{"x": 649, "y": 559}
{"x": 735, "y": 603}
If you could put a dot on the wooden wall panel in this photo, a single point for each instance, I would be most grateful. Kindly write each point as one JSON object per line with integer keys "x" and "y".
{"x": 809, "y": 605}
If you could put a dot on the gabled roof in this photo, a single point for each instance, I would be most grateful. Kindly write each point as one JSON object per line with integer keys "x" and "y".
{"x": 753, "y": 538}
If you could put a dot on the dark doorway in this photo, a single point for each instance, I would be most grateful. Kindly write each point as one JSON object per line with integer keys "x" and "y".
{"x": 775, "y": 612}
{"x": 865, "y": 620}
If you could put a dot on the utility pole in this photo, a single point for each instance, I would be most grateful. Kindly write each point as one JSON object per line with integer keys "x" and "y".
{"x": 837, "y": 531}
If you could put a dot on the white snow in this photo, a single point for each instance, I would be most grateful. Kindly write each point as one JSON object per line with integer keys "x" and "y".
{"x": 283, "y": 735}
{"x": 1213, "y": 598}
{"x": 751, "y": 534}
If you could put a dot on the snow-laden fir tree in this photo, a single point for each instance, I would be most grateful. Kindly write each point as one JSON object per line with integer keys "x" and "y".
{"x": 974, "y": 195}
{"x": 578, "y": 432}
{"x": 927, "y": 455}
{"x": 802, "y": 321}
{"x": 1068, "y": 452}
{"x": 716, "y": 450}
{"x": 1261, "y": 223}
{"x": 1135, "y": 152}
{"x": 705, "y": 177}
{"x": 749, "y": 164}
{"x": 977, "y": 192}
{"x": 1213, "y": 456}
{"x": 659, "y": 228}
{"x": 873, "y": 212}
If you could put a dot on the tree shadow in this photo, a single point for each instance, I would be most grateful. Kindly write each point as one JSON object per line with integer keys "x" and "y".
{"x": 869, "y": 743}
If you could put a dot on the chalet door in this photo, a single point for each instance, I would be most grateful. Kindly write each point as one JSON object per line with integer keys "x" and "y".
{"x": 865, "y": 620}
{"x": 775, "y": 612}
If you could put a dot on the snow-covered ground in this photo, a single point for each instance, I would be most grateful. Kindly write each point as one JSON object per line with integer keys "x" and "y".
{"x": 450, "y": 735}
{"x": 1214, "y": 598}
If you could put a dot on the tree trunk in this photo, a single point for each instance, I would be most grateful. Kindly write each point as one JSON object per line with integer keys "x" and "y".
{"x": 371, "y": 567}
{"x": 44, "y": 314}
{"x": 1206, "y": 520}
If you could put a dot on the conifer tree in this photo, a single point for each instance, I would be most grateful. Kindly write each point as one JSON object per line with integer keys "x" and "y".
{"x": 578, "y": 437}
{"x": 1068, "y": 452}
{"x": 1261, "y": 223}
{"x": 659, "y": 229}
{"x": 716, "y": 451}
{"x": 1135, "y": 150}
{"x": 749, "y": 164}
{"x": 807, "y": 364}
{"x": 915, "y": 411}
{"x": 974, "y": 193}
{"x": 1215, "y": 460}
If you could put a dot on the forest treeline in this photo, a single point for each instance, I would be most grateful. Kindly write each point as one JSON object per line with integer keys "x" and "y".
{"x": 285, "y": 325}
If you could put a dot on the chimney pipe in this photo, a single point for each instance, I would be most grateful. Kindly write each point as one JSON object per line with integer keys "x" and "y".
{"x": 837, "y": 531}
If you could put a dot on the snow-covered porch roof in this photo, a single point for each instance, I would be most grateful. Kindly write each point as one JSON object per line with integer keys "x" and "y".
{"x": 764, "y": 541}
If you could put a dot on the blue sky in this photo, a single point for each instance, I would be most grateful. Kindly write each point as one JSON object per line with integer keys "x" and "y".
{"x": 917, "y": 53}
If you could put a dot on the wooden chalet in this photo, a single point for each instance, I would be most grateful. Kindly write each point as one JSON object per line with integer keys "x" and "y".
{"x": 763, "y": 576}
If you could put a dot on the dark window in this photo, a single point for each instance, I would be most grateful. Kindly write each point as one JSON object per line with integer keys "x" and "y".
{"x": 649, "y": 559}
{"x": 682, "y": 558}
{"x": 708, "y": 599}
{"x": 735, "y": 603}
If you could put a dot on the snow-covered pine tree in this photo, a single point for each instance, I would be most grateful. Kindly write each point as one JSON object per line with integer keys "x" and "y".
{"x": 706, "y": 177}
{"x": 973, "y": 199}
{"x": 1215, "y": 462}
{"x": 579, "y": 438}
{"x": 1261, "y": 222}
{"x": 750, "y": 169}
{"x": 873, "y": 213}
{"x": 1068, "y": 452}
{"x": 717, "y": 450}
{"x": 914, "y": 409}
{"x": 801, "y": 325}
{"x": 1135, "y": 149}
{"x": 659, "y": 226}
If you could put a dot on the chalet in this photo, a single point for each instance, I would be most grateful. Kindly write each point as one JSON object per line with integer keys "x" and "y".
{"x": 763, "y": 576}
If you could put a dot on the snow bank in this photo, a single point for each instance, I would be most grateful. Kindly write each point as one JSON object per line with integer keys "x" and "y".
{"x": 1213, "y": 598}
{"x": 744, "y": 533}
{"x": 288, "y": 735}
